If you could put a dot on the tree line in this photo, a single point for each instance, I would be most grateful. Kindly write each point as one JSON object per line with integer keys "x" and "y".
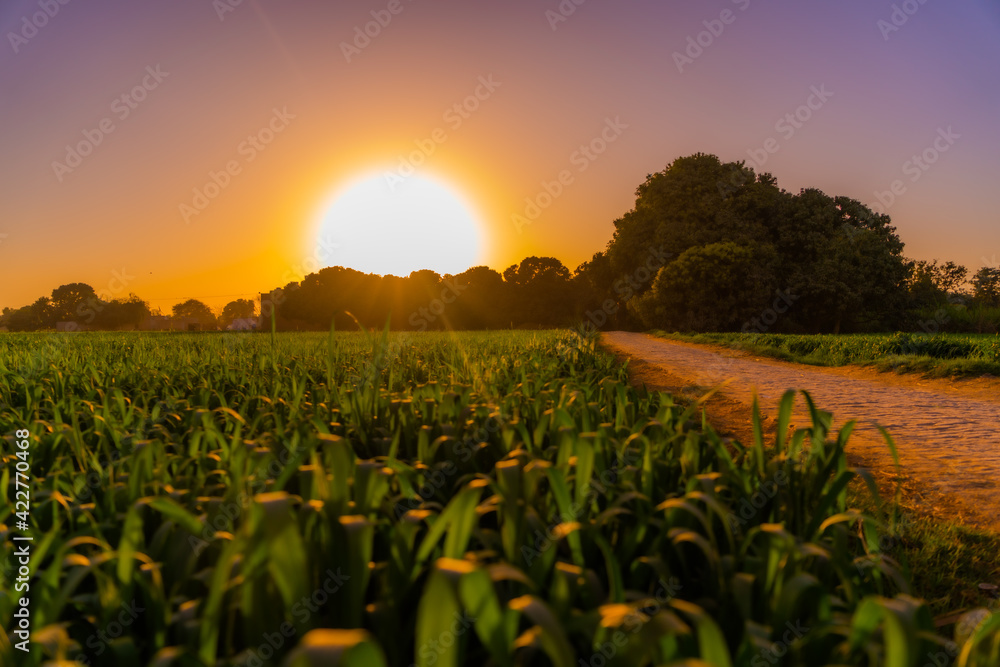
{"x": 83, "y": 307}
{"x": 708, "y": 246}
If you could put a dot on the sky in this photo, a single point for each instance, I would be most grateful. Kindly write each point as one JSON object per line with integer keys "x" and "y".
{"x": 195, "y": 148}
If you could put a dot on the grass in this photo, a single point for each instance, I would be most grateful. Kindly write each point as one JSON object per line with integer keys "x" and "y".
{"x": 372, "y": 499}
{"x": 945, "y": 562}
{"x": 940, "y": 355}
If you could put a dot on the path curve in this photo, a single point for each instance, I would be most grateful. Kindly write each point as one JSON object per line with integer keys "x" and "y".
{"x": 948, "y": 441}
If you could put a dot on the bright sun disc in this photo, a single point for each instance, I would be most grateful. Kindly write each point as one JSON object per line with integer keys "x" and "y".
{"x": 400, "y": 228}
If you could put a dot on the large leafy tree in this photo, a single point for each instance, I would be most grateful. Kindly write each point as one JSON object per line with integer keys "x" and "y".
{"x": 840, "y": 263}
{"x": 539, "y": 292}
{"x": 73, "y": 302}
{"x": 478, "y": 297}
{"x": 39, "y": 315}
{"x": 237, "y": 310}
{"x": 707, "y": 288}
{"x": 125, "y": 313}
{"x": 197, "y": 310}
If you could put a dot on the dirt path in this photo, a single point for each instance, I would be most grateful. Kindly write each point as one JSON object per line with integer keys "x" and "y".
{"x": 947, "y": 433}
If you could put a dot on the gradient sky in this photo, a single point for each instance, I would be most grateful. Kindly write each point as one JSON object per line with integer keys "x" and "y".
{"x": 118, "y": 211}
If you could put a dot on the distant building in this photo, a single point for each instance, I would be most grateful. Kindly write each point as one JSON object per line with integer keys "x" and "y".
{"x": 243, "y": 324}
{"x": 269, "y": 302}
{"x": 186, "y": 324}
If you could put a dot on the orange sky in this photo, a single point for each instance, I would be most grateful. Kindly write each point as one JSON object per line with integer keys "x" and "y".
{"x": 210, "y": 81}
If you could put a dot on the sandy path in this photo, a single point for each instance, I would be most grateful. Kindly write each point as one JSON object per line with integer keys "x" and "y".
{"x": 947, "y": 433}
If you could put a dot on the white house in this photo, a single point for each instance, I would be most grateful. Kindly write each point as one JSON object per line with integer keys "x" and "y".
{"x": 243, "y": 324}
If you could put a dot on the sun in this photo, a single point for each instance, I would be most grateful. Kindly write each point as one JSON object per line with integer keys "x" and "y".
{"x": 397, "y": 226}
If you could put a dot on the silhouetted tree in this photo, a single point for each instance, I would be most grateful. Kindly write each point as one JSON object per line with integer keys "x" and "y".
{"x": 196, "y": 309}
{"x": 126, "y": 313}
{"x": 986, "y": 286}
{"x": 539, "y": 292}
{"x": 479, "y": 297}
{"x": 705, "y": 289}
{"x": 841, "y": 263}
{"x": 71, "y": 302}
{"x": 237, "y": 310}
{"x": 39, "y": 315}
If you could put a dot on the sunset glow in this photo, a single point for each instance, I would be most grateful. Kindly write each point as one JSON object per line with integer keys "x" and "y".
{"x": 386, "y": 226}
{"x": 195, "y": 147}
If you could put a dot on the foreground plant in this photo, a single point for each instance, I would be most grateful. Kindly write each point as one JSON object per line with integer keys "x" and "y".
{"x": 499, "y": 499}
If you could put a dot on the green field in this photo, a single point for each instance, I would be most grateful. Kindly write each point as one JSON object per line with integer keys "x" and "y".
{"x": 939, "y": 355}
{"x": 434, "y": 499}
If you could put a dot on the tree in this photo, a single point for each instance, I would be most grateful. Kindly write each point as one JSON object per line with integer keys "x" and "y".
{"x": 601, "y": 295}
{"x": 539, "y": 292}
{"x": 841, "y": 262}
{"x": 479, "y": 298}
{"x": 72, "y": 302}
{"x": 705, "y": 289}
{"x": 931, "y": 284}
{"x": 237, "y": 310}
{"x": 38, "y": 315}
{"x": 986, "y": 286}
{"x": 197, "y": 310}
{"x": 126, "y": 313}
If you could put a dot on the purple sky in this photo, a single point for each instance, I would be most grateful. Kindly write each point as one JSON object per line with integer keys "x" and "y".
{"x": 892, "y": 95}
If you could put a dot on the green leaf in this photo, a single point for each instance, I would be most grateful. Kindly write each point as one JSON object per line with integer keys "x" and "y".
{"x": 127, "y": 546}
{"x": 439, "y": 612}
{"x": 479, "y": 597}
{"x": 170, "y": 509}
{"x": 337, "y": 648}
{"x": 552, "y": 636}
